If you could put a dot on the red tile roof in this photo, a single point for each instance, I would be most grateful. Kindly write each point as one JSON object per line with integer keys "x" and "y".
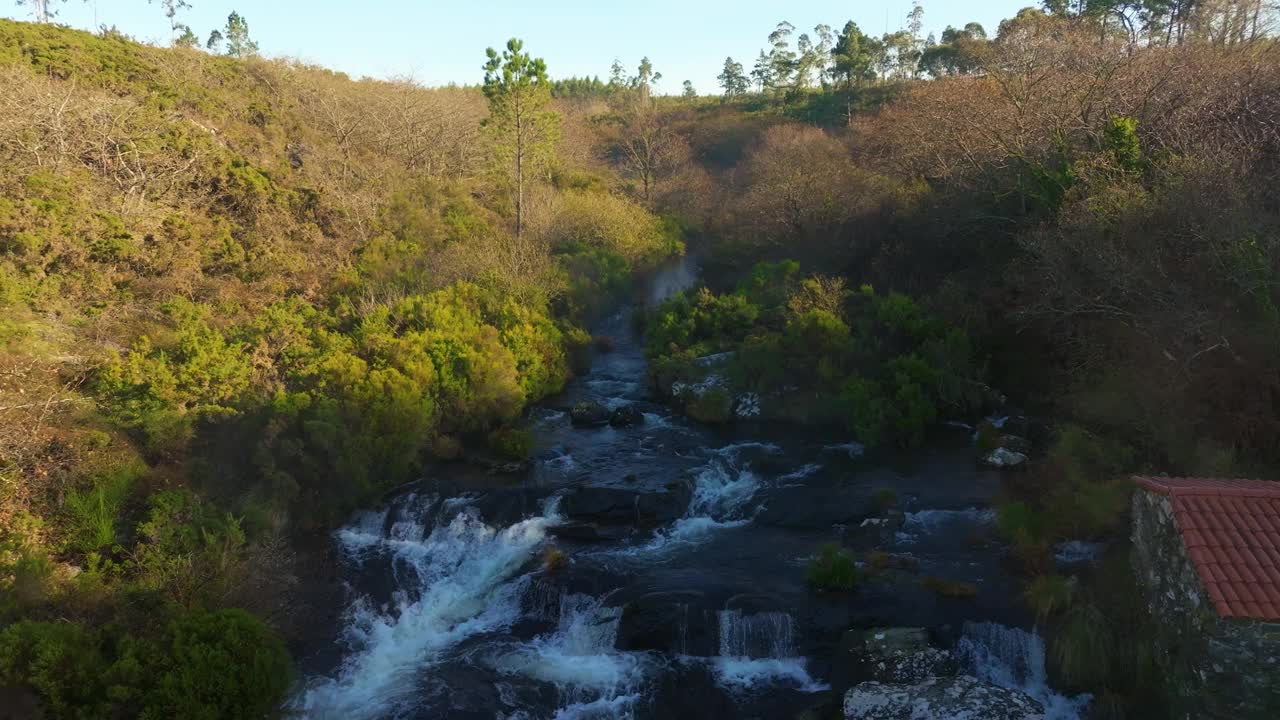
{"x": 1232, "y": 532}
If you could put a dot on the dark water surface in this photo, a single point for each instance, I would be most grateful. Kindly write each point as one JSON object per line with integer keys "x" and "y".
{"x": 682, "y": 590}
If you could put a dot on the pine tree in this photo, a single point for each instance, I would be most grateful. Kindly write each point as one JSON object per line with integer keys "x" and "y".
{"x": 524, "y": 131}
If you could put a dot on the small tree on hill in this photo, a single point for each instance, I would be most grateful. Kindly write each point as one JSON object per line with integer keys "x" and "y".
{"x": 239, "y": 44}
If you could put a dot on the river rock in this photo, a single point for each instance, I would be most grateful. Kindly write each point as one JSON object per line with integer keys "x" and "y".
{"x": 889, "y": 655}
{"x": 626, "y": 416}
{"x": 1004, "y": 459}
{"x": 589, "y": 414}
{"x": 819, "y": 507}
{"x": 947, "y": 698}
{"x": 676, "y": 621}
{"x": 618, "y": 506}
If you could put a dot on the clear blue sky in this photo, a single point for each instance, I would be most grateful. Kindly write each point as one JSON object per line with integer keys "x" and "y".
{"x": 442, "y": 41}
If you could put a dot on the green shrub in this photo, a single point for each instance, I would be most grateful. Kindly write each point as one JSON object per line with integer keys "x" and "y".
{"x": 885, "y": 498}
{"x": 1083, "y": 646}
{"x": 203, "y": 665}
{"x": 770, "y": 284}
{"x": 953, "y": 589}
{"x": 833, "y": 569}
{"x": 60, "y": 661}
{"x": 713, "y": 406}
{"x": 222, "y": 664}
{"x": 616, "y": 224}
{"x": 867, "y": 411}
{"x": 1027, "y": 529}
{"x": 185, "y": 548}
{"x": 1049, "y": 595}
{"x": 513, "y": 443}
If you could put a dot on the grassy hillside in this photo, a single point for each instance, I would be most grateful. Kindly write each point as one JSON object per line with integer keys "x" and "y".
{"x": 239, "y": 297}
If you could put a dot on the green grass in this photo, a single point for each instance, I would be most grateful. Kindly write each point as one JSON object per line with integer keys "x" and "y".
{"x": 94, "y": 512}
{"x": 1049, "y": 595}
{"x": 833, "y": 569}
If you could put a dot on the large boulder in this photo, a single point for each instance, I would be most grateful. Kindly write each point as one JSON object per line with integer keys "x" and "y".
{"x": 589, "y": 414}
{"x": 946, "y": 698}
{"x": 819, "y": 507}
{"x": 645, "y": 507}
{"x": 889, "y": 655}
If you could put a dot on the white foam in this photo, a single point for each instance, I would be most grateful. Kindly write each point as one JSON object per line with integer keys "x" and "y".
{"x": 683, "y": 532}
{"x": 462, "y": 571}
{"x": 654, "y": 421}
{"x": 612, "y": 708}
{"x": 745, "y": 674}
{"x": 925, "y": 522}
{"x": 732, "y": 450}
{"x": 803, "y": 472}
{"x": 722, "y": 490}
{"x": 564, "y": 462}
{"x": 1077, "y": 552}
{"x": 853, "y": 449}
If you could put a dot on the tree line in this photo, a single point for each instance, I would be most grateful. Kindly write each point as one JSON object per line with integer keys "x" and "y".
{"x": 851, "y": 58}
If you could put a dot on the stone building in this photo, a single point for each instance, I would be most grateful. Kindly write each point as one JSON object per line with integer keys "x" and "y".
{"x": 1207, "y": 553}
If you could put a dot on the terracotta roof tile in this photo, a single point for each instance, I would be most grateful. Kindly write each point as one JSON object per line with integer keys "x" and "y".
{"x": 1231, "y": 529}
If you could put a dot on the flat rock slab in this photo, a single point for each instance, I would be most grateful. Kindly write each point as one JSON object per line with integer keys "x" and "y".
{"x": 892, "y": 655}
{"x": 952, "y": 698}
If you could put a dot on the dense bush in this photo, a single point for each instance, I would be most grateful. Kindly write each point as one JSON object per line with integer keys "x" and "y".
{"x": 879, "y": 363}
{"x": 222, "y": 664}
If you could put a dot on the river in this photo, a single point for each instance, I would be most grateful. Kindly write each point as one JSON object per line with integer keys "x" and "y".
{"x": 677, "y": 587}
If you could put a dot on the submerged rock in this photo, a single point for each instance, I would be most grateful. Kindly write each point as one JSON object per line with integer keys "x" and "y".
{"x": 589, "y": 414}
{"x": 747, "y": 405}
{"x": 617, "y": 506}
{"x": 947, "y": 698}
{"x": 626, "y": 416}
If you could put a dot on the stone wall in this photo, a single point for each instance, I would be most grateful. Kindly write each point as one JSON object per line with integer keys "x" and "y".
{"x": 1214, "y": 667}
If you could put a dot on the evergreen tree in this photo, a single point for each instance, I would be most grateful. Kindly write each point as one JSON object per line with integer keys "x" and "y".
{"x": 688, "y": 92}
{"x": 239, "y": 44}
{"x": 524, "y": 131}
{"x": 762, "y": 72}
{"x": 854, "y": 56}
{"x": 732, "y": 79}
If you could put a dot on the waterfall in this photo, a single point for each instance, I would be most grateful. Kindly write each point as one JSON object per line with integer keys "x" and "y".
{"x": 759, "y": 649}
{"x": 591, "y": 678}
{"x": 457, "y": 577}
{"x": 1014, "y": 659}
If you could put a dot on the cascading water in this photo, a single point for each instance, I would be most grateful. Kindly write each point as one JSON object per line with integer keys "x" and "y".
{"x": 458, "y": 583}
{"x": 1014, "y": 658}
{"x": 760, "y": 648}
{"x": 579, "y": 659}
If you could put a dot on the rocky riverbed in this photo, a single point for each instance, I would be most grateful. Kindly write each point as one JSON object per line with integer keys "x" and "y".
{"x": 644, "y": 566}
